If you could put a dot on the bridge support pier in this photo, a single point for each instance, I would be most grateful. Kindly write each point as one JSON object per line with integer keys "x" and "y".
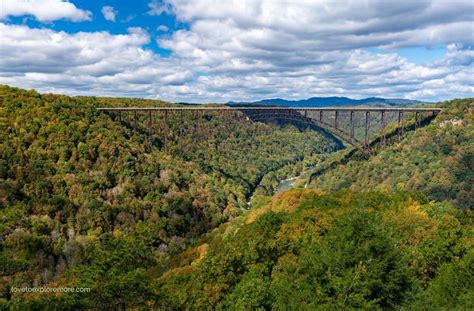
{"x": 400, "y": 126}
{"x": 352, "y": 126}
{"x": 336, "y": 117}
{"x": 165, "y": 142}
{"x": 181, "y": 130}
{"x": 367, "y": 121}
{"x": 382, "y": 133}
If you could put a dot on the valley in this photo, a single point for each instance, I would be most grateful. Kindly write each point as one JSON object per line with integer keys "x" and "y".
{"x": 236, "y": 155}
{"x": 217, "y": 220}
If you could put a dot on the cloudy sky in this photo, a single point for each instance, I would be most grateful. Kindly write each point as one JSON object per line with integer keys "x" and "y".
{"x": 216, "y": 51}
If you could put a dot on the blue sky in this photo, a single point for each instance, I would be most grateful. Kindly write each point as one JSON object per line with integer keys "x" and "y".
{"x": 216, "y": 51}
{"x": 137, "y": 15}
{"x": 126, "y": 16}
{"x": 417, "y": 55}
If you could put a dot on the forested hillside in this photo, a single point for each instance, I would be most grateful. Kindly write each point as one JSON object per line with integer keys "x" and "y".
{"x": 312, "y": 251}
{"x": 286, "y": 155}
{"x": 79, "y": 189}
{"x": 89, "y": 201}
{"x": 437, "y": 160}
{"x": 390, "y": 249}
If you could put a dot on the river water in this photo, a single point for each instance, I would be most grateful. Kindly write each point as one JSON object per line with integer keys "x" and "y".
{"x": 289, "y": 182}
{"x": 285, "y": 184}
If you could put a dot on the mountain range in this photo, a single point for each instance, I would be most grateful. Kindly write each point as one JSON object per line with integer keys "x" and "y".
{"x": 331, "y": 101}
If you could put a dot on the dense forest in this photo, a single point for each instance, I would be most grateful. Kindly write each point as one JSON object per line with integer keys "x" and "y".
{"x": 75, "y": 183}
{"x": 393, "y": 231}
{"x": 312, "y": 251}
{"x": 437, "y": 160}
{"x": 89, "y": 201}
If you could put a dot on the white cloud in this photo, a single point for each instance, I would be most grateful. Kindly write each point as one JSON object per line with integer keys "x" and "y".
{"x": 317, "y": 43}
{"x": 158, "y": 7}
{"x": 128, "y": 18}
{"x": 44, "y": 10}
{"x": 109, "y": 13}
{"x": 162, "y": 28}
{"x": 248, "y": 50}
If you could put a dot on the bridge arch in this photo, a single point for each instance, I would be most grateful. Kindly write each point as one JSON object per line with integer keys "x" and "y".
{"x": 322, "y": 125}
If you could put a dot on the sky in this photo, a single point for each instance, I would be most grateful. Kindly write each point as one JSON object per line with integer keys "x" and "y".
{"x": 219, "y": 51}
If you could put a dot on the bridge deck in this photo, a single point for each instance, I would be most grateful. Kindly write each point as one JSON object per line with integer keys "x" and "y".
{"x": 271, "y": 108}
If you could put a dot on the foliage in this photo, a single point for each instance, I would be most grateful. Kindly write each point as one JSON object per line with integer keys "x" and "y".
{"x": 333, "y": 251}
{"x": 437, "y": 160}
{"x": 87, "y": 200}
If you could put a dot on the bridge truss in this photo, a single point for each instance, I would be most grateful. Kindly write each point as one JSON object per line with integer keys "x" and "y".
{"x": 354, "y": 125}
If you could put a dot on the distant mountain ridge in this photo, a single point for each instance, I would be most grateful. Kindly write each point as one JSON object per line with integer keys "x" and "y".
{"x": 331, "y": 101}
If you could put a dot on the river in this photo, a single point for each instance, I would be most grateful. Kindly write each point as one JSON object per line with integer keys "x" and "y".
{"x": 285, "y": 184}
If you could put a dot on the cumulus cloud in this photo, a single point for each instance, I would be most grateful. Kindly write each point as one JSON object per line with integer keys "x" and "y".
{"x": 83, "y": 63}
{"x": 248, "y": 50}
{"x": 158, "y": 7}
{"x": 162, "y": 28}
{"x": 109, "y": 13}
{"x": 319, "y": 48}
{"x": 44, "y": 10}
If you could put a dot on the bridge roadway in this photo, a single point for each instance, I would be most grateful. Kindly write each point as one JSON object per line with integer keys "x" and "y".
{"x": 299, "y": 114}
{"x": 271, "y": 109}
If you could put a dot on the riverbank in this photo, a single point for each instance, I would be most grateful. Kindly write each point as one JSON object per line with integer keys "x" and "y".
{"x": 279, "y": 180}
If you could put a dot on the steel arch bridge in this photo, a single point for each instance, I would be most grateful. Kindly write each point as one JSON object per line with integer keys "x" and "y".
{"x": 354, "y": 125}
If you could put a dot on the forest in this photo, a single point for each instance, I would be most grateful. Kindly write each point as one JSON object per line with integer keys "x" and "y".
{"x": 437, "y": 160}
{"x": 308, "y": 250}
{"x": 87, "y": 201}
